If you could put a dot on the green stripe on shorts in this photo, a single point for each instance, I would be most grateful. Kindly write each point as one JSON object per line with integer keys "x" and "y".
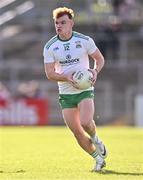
{"x": 72, "y": 100}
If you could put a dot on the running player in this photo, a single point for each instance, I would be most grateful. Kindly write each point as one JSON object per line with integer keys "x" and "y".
{"x": 63, "y": 54}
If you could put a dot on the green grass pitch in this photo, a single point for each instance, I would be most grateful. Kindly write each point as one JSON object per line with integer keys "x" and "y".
{"x": 51, "y": 153}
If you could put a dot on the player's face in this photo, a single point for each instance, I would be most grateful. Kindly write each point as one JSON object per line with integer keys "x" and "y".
{"x": 63, "y": 25}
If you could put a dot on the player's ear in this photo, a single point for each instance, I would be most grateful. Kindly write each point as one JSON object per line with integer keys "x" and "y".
{"x": 72, "y": 23}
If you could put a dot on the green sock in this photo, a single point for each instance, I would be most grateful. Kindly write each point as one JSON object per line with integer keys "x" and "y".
{"x": 94, "y": 154}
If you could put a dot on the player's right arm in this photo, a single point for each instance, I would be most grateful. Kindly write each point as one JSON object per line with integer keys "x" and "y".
{"x": 52, "y": 75}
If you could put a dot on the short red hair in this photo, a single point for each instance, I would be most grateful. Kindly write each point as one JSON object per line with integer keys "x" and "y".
{"x": 61, "y": 11}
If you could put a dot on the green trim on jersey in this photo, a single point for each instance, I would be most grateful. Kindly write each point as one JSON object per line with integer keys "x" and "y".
{"x": 72, "y": 100}
{"x": 79, "y": 35}
{"x": 51, "y": 41}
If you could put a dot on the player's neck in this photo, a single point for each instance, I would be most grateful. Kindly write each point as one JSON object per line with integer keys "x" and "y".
{"x": 65, "y": 37}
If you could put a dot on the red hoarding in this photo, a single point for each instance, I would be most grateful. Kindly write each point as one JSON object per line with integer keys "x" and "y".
{"x": 24, "y": 112}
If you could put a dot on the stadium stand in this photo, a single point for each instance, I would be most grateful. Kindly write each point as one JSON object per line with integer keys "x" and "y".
{"x": 23, "y": 35}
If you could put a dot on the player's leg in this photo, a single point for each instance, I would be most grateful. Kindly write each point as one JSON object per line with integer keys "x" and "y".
{"x": 71, "y": 117}
{"x": 86, "y": 107}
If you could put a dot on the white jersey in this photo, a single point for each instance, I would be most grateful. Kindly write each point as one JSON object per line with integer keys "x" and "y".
{"x": 68, "y": 56}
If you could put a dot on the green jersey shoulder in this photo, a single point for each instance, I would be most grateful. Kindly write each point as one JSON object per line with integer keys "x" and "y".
{"x": 80, "y": 35}
{"x": 51, "y": 41}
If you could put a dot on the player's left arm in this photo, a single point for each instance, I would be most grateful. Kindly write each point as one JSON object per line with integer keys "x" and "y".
{"x": 99, "y": 60}
{"x": 98, "y": 64}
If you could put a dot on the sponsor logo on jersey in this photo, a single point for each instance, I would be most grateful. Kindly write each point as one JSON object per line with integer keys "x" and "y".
{"x": 68, "y": 56}
{"x": 68, "y": 62}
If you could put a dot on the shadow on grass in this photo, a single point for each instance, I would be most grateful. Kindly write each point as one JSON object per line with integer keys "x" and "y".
{"x": 105, "y": 171}
{"x": 18, "y": 171}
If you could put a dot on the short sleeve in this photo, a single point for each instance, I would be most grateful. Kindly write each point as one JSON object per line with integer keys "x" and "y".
{"x": 91, "y": 47}
{"x": 48, "y": 55}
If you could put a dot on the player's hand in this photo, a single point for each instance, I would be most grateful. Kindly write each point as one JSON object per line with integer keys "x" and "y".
{"x": 94, "y": 72}
{"x": 71, "y": 81}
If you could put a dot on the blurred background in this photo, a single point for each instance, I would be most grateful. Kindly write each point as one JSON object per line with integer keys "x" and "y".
{"x": 28, "y": 98}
